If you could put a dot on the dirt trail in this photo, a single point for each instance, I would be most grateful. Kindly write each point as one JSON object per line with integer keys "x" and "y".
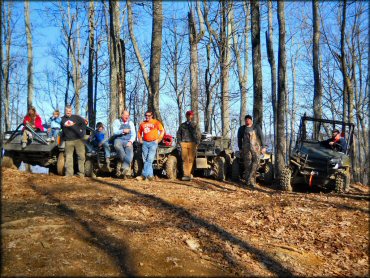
{"x": 107, "y": 227}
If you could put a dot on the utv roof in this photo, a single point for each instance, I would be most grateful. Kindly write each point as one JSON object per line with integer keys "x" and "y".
{"x": 307, "y": 118}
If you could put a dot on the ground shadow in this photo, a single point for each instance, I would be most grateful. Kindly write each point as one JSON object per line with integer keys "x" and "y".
{"x": 269, "y": 262}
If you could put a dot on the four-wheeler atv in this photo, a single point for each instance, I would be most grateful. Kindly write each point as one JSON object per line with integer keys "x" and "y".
{"x": 165, "y": 161}
{"x": 314, "y": 164}
{"x": 38, "y": 151}
{"x": 265, "y": 171}
{"x": 213, "y": 157}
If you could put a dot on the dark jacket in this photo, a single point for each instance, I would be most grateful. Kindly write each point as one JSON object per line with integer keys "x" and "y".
{"x": 342, "y": 142}
{"x": 74, "y": 132}
{"x": 241, "y": 131}
{"x": 188, "y": 132}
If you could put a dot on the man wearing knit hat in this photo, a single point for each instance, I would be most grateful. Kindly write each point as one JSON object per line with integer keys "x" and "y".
{"x": 188, "y": 136}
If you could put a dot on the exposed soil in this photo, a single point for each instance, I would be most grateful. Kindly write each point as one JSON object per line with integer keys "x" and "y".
{"x": 58, "y": 226}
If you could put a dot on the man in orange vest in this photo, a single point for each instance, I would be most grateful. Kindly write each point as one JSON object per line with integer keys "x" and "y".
{"x": 150, "y": 133}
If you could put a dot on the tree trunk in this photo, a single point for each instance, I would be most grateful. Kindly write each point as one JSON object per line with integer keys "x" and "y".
{"x": 7, "y": 67}
{"x": 256, "y": 63}
{"x": 1, "y": 80}
{"x": 208, "y": 110}
{"x": 225, "y": 69}
{"x": 155, "y": 59}
{"x": 90, "y": 79}
{"x": 29, "y": 55}
{"x": 317, "y": 99}
{"x": 281, "y": 96}
{"x": 194, "y": 39}
{"x": 368, "y": 105}
{"x": 292, "y": 122}
{"x": 122, "y": 77}
{"x": 271, "y": 59}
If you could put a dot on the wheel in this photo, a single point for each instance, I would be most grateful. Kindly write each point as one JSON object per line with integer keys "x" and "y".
{"x": 342, "y": 182}
{"x": 8, "y": 162}
{"x": 89, "y": 169}
{"x": 286, "y": 179}
{"x": 219, "y": 168}
{"x": 171, "y": 167}
{"x": 61, "y": 164}
{"x": 269, "y": 173}
{"x": 137, "y": 166}
{"x": 235, "y": 170}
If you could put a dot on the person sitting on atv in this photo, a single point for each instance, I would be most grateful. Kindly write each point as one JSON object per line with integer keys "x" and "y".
{"x": 54, "y": 126}
{"x": 336, "y": 142}
{"x": 34, "y": 120}
{"x": 100, "y": 139}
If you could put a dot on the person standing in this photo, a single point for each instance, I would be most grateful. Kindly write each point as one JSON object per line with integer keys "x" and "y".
{"x": 188, "y": 136}
{"x": 250, "y": 142}
{"x": 34, "y": 120}
{"x": 150, "y": 133}
{"x": 73, "y": 132}
{"x": 125, "y": 133}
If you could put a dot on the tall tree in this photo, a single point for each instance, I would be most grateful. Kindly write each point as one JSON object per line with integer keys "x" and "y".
{"x": 155, "y": 59}
{"x": 5, "y": 72}
{"x": 90, "y": 82}
{"x": 281, "y": 96}
{"x": 368, "y": 103}
{"x": 29, "y": 54}
{"x": 194, "y": 39}
{"x": 256, "y": 63}
{"x": 317, "y": 99}
{"x": 1, "y": 79}
{"x": 271, "y": 59}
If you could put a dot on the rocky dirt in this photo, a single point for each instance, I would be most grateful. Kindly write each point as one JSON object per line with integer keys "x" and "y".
{"x": 58, "y": 226}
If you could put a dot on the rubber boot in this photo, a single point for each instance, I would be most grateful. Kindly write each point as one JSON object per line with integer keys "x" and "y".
{"x": 107, "y": 160}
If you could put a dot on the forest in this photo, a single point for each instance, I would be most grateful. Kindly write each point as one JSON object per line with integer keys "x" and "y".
{"x": 223, "y": 60}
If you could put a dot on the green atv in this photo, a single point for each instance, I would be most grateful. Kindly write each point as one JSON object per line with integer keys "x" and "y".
{"x": 313, "y": 164}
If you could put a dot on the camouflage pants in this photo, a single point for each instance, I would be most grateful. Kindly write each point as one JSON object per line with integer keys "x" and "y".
{"x": 251, "y": 161}
{"x": 70, "y": 147}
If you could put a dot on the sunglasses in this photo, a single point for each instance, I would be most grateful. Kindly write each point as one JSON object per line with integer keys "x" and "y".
{"x": 148, "y": 115}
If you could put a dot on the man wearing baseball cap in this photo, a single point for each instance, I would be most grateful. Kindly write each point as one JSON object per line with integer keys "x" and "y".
{"x": 336, "y": 142}
{"x": 188, "y": 136}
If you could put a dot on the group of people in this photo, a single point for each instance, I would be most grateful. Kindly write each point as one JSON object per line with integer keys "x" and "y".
{"x": 151, "y": 132}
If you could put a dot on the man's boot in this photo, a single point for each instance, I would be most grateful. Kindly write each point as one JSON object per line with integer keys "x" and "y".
{"x": 107, "y": 160}
{"x": 118, "y": 170}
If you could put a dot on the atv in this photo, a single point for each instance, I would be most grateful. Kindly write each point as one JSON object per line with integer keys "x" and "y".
{"x": 312, "y": 163}
{"x": 265, "y": 171}
{"x": 165, "y": 162}
{"x": 38, "y": 151}
{"x": 213, "y": 157}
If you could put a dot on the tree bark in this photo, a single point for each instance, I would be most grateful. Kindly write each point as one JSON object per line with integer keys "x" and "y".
{"x": 368, "y": 104}
{"x": 317, "y": 99}
{"x": 29, "y": 55}
{"x": 1, "y": 79}
{"x": 6, "y": 72}
{"x": 90, "y": 79}
{"x": 155, "y": 59}
{"x": 281, "y": 96}
{"x": 194, "y": 39}
{"x": 256, "y": 63}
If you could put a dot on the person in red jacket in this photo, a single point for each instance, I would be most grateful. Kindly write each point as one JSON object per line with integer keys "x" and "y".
{"x": 35, "y": 121}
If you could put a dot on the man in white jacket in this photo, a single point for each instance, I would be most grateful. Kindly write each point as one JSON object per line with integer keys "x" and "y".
{"x": 124, "y": 130}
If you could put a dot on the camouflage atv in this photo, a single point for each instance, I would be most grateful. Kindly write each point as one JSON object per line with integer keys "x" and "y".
{"x": 265, "y": 171}
{"x": 313, "y": 164}
{"x": 214, "y": 157}
{"x": 38, "y": 151}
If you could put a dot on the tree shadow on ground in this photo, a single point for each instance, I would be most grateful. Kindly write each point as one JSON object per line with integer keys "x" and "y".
{"x": 197, "y": 222}
{"x": 116, "y": 249}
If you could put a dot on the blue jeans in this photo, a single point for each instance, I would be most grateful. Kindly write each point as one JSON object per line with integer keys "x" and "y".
{"x": 93, "y": 145}
{"x": 125, "y": 153}
{"x": 149, "y": 151}
{"x": 54, "y": 133}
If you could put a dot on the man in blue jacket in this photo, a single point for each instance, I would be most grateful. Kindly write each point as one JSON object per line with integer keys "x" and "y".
{"x": 125, "y": 133}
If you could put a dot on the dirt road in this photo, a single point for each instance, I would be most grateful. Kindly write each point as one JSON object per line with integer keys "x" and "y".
{"x": 55, "y": 225}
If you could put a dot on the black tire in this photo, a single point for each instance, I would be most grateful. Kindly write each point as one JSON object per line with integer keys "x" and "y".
{"x": 171, "y": 167}
{"x": 219, "y": 168}
{"x": 269, "y": 173}
{"x": 342, "y": 182}
{"x": 89, "y": 169}
{"x": 286, "y": 180}
{"x": 235, "y": 171}
{"x": 137, "y": 167}
{"x": 8, "y": 162}
{"x": 61, "y": 164}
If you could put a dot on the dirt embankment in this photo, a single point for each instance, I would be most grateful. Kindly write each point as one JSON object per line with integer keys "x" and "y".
{"x": 107, "y": 227}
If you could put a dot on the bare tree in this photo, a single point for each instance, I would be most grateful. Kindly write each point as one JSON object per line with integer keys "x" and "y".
{"x": 281, "y": 96}
{"x": 194, "y": 39}
{"x": 1, "y": 78}
{"x": 256, "y": 63}
{"x": 6, "y": 71}
{"x": 29, "y": 54}
{"x": 368, "y": 105}
{"x": 90, "y": 84}
{"x": 317, "y": 100}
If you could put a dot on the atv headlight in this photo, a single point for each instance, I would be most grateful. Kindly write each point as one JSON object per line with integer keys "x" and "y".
{"x": 336, "y": 162}
{"x": 7, "y": 136}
